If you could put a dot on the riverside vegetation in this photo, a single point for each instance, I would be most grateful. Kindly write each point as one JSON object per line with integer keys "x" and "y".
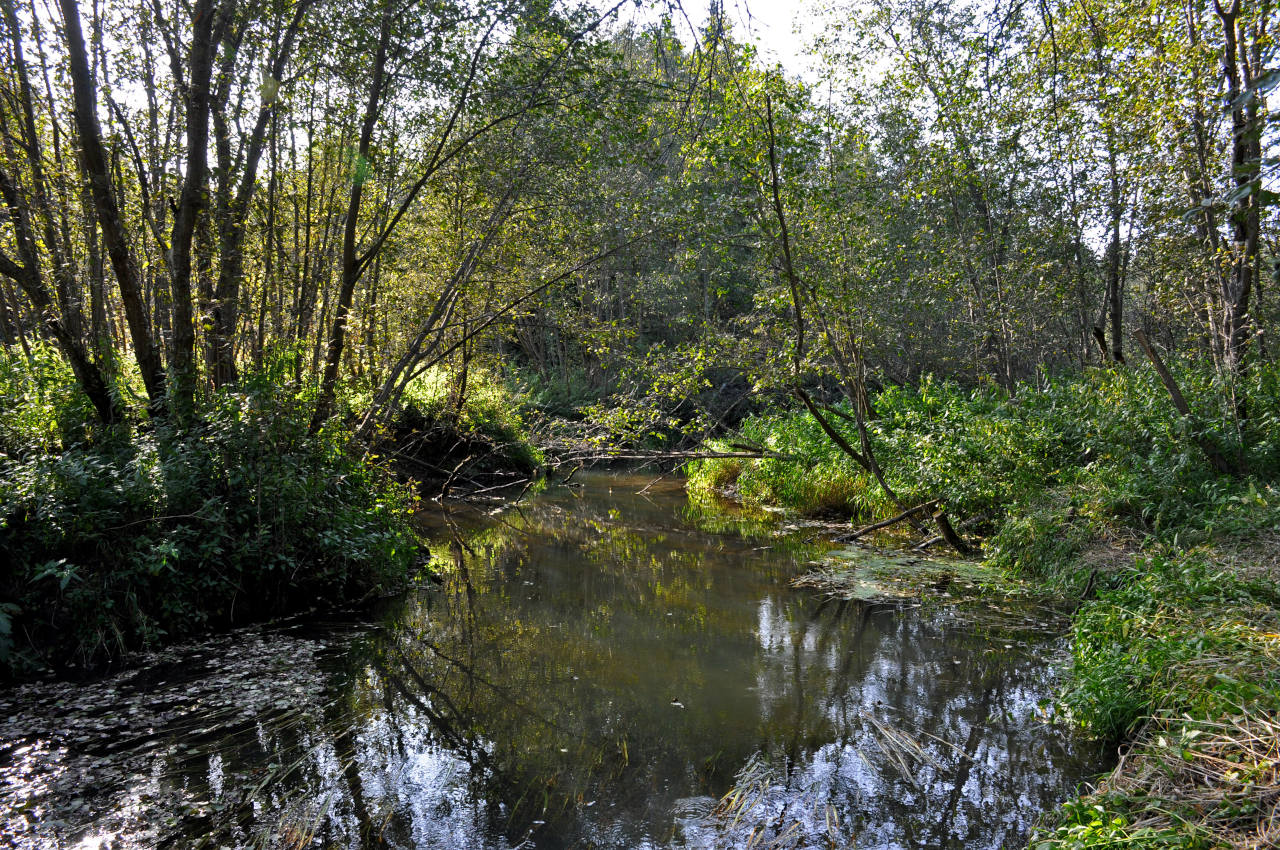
{"x": 1090, "y": 488}
{"x": 142, "y": 536}
{"x": 264, "y": 266}
{"x": 128, "y": 538}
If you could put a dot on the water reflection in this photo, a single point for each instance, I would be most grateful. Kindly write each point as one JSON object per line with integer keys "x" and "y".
{"x": 599, "y": 669}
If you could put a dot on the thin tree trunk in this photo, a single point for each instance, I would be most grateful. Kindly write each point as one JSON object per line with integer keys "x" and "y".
{"x": 350, "y": 259}
{"x": 193, "y": 202}
{"x": 231, "y": 230}
{"x": 1244, "y": 168}
{"x": 27, "y": 275}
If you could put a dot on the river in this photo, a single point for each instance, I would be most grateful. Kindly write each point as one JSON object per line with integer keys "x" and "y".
{"x": 604, "y": 666}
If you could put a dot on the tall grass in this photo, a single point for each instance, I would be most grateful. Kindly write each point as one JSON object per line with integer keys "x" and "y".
{"x": 1028, "y": 470}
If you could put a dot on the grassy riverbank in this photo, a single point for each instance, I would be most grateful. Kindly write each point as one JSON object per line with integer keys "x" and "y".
{"x": 1094, "y": 488}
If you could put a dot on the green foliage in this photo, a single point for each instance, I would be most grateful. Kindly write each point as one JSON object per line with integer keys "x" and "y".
{"x": 117, "y": 544}
{"x": 808, "y": 475}
{"x": 561, "y": 395}
{"x": 1135, "y": 646}
{"x": 488, "y": 411}
{"x": 1041, "y": 470}
{"x": 1184, "y": 657}
{"x": 43, "y": 406}
{"x": 976, "y": 450}
{"x": 1088, "y": 824}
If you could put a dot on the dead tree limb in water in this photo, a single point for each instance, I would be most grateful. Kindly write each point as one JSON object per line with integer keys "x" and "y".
{"x": 893, "y": 520}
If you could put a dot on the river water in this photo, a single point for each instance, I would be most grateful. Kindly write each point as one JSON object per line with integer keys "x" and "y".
{"x": 605, "y": 666}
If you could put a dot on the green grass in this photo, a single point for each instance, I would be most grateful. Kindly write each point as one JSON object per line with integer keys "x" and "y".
{"x": 1182, "y": 660}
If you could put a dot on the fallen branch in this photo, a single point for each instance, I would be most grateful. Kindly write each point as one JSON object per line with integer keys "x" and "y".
{"x": 1217, "y": 459}
{"x": 925, "y": 544}
{"x": 893, "y": 520}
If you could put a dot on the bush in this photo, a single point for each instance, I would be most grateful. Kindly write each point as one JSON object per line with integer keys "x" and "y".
{"x": 158, "y": 534}
{"x": 1041, "y": 471}
{"x": 490, "y": 416}
{"x": 43, "y": 409}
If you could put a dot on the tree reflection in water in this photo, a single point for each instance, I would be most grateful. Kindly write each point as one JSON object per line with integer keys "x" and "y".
{"x": 601, "y": 668}
{"x": 598, "y": 671}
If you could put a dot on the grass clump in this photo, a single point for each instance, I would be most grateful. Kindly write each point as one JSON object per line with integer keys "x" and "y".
{"x": 133, "y": 538}
{"x": 1181, "y": 659}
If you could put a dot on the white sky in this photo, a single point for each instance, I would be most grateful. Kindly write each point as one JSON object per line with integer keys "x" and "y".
{"x": 771, "y": 25}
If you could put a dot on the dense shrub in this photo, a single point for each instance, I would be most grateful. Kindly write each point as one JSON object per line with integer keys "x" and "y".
{"x": 43, "y": 409}
{"x": 488, "y": 422}
{"x": 159, "y": 533}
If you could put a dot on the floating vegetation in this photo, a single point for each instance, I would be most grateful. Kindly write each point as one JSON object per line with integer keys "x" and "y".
{"x": 872, "y": 574}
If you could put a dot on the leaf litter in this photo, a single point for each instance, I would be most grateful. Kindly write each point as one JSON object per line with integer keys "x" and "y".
{"x": 134, "y": 759}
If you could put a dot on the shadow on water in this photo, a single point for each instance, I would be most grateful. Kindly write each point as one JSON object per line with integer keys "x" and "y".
{"x": 607, "y": 666}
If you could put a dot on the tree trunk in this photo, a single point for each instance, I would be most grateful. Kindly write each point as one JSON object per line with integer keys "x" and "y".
{"x": 350, "y": 259}
{"x": 1115, "y": 279}
{"x": 1236, "y": 286}
{"x": 231, "y": 224}
{"x": 194, "y": 201}
{"x": 27, "y": 275}
{"x": 93, "y": 161}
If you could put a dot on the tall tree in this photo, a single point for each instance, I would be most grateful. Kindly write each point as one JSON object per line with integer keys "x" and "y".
{"x": 94, "y": 163}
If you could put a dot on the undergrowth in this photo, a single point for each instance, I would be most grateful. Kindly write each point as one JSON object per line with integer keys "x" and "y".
{"x": 1181, "y": 661}
{"x": 1046, "y": 468}
{"x": 481, "y": 425}
{"x": 123, "y": 538}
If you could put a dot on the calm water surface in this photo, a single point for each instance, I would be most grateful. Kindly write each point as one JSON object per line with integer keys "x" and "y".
{"x": 606, "y": 666}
